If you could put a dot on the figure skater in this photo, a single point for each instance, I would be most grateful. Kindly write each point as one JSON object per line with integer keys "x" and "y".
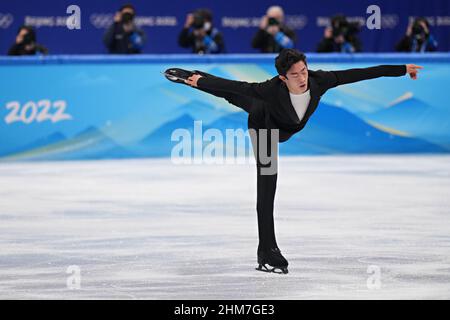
{"x": 277, "y": 109}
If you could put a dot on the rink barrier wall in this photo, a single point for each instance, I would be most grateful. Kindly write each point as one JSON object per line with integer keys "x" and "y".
{"x": 67, "y": 107}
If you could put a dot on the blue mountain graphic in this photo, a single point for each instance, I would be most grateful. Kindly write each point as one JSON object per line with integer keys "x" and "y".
{"x": 236, "y": 143}
{"x": 94, "y": 144}
{"x": 335, "y": 130}
{"x": 416, "y": 118}
{"x": 331, "y": 130}
{"x": 232, "y": 120}
{"x": 90, "y": 143}
{"x": 41, "y": 142}
{"x": 158, "y": 143}
{"x": 200, "y": 110}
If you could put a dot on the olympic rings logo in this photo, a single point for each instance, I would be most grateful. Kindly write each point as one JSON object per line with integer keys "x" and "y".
{"x": 101, "y": 21}
{"x": 6, "y": 20}
{"x": 297, "y": 22}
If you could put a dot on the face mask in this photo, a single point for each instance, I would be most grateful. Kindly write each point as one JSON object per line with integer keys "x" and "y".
{"x": 207, "y": 26}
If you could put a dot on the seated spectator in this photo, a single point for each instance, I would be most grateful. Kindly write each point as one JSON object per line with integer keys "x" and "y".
{"x": 341, "y": 36}
{"x": 123, "y": 36}
{"x": 417, "y": 38}
{"x": 273, "y": 35}
{"x": 200, "y": 35}
{"x": 26, "y": 43}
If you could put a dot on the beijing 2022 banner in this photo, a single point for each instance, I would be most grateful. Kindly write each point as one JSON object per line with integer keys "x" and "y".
{"x": 95, "y": 107}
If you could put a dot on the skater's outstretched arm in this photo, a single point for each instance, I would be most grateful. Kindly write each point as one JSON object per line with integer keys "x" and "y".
{"x": 258, "y": 90}
{"x": 336, "y": 78}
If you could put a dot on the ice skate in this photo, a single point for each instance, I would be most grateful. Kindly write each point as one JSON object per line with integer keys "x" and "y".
{"x": 177, "y": 75}
{"x": 271, "y": 260}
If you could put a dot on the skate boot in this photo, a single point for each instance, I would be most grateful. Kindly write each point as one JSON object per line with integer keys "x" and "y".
{"x": 271, "y": 260}
{"x": 177, "y": 75}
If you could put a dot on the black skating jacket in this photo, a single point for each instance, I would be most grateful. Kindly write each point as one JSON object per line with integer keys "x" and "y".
{"x": 273, "y": 103}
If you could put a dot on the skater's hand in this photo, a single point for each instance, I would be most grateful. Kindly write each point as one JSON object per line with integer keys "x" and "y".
{"x": 192, "y": 80}
{"x": 413, "y": 70}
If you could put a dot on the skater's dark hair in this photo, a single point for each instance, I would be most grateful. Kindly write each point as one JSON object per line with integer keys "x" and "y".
{"x": 286, "y": 58}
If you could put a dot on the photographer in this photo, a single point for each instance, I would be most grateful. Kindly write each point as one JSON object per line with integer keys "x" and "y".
{"x": 340, "y": 37}
{"x": 199, "y": 34}
{"x": 26, "y": 43}
{"x": 123, "y": 36}
{"x": 418, "y": 38}
{"x": 273, "y": 36}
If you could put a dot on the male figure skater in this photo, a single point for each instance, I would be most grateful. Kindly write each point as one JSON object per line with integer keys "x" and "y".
{"x": 282, "y": 104}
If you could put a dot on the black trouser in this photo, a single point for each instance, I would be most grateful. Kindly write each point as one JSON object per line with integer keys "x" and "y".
{"x": 266, "y": 183}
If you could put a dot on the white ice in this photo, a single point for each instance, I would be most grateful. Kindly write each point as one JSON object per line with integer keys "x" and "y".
{"x": 149, "y": 229}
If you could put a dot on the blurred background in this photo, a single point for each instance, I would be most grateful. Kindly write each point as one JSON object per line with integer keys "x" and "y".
{"x": 238, "y": 21}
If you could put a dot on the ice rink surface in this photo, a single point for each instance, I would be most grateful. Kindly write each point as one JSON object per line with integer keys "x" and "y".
{"x": 352, "y": 227}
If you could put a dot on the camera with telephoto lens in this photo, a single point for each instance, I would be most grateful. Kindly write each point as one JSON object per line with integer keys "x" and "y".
{"x": 28, "y": 39}
{"x": 199, "y": 21}
{"x": 273, "y": 22}
{"x": 342, "y": 27}
{"x": 418, "y": 31}
{"x": 127, "y": 17}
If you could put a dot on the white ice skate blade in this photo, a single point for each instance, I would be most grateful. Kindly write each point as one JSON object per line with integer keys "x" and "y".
{"x": 265, "y": 268}
{"x": 172, "y": 77}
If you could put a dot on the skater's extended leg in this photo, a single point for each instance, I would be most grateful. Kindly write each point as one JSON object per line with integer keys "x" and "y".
{"x": 243, "y": 102}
